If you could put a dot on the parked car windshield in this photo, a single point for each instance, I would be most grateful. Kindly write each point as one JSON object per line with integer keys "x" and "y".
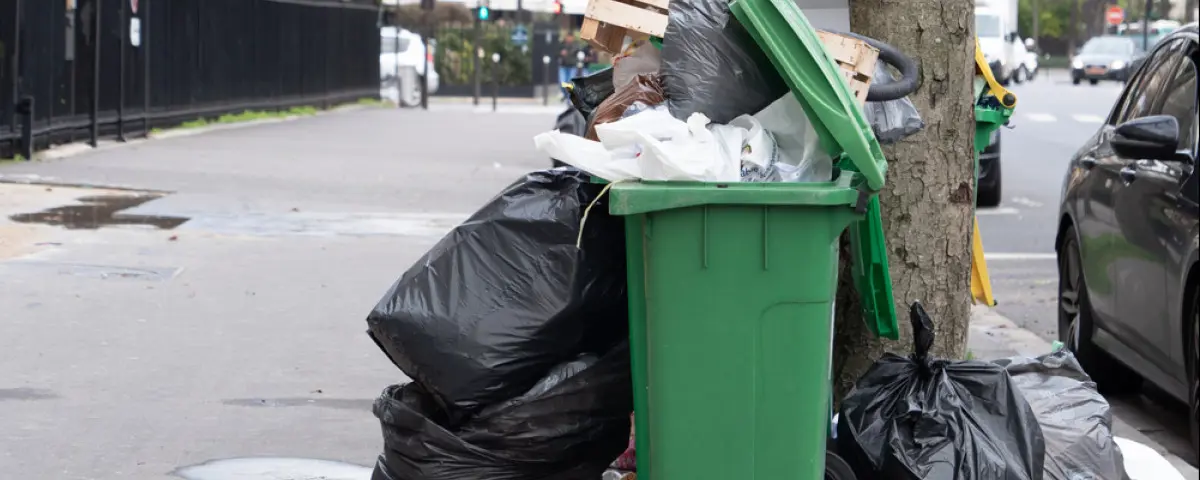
{"x": 1108, "y": 46}
{"x": 987, "y": 25}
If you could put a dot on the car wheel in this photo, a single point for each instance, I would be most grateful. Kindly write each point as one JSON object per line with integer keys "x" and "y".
{"x": 1076, "y": 80}
{"x": 837, "y": 469}
{"x": 411, "y": 97}
{"x": 1094, "y": 81}
{"x": 1075, "y": 327}
{"x": 1018, "y": 76}
{"x": 1195, "y": 376}
{"x": 989, "y": 196}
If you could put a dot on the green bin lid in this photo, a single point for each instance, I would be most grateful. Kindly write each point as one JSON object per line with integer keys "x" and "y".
{"x": 794, "y": 48}
{"x": 872, "y": 278}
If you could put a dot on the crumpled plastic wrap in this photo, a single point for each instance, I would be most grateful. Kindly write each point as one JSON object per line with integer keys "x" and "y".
{"x": 1076, "y": 420}
{"x": 892, "y": 120}
{"x": 711, "y": 65}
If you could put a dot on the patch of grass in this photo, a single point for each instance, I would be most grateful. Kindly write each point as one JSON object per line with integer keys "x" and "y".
{"x": 17, "y": 158}
{"x": 970, "y": 355}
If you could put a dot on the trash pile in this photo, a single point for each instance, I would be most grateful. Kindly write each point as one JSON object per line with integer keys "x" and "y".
{"x": 1019, "y": 418}
{"x": 515, "y": 326}
{"x": 514, "y": 329}
{"x": 704, "y": 104}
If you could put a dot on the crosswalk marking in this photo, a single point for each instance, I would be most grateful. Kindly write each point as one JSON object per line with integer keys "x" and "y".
{"x": 1087, "y": 118}
{"x": 1083, "y": 118}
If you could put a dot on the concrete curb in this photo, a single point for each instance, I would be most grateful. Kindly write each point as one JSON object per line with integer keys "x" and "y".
{"x": 78, "y": 148}
{"x": 992, "y": 326}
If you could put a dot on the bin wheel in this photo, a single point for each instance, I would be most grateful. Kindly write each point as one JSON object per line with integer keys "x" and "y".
{"x": 837, "y": 469}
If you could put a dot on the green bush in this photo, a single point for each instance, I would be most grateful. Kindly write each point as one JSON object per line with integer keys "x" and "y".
{"x": 455, "y": 50}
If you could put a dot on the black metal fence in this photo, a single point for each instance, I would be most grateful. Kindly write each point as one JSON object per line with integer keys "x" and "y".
{"x": 93, "y": 68}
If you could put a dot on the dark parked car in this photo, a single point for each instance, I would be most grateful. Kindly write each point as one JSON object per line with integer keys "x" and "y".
{"x": 989, "y": 173}
{"x": 1107, "y": 57}
{"x": 1129, "y": 281}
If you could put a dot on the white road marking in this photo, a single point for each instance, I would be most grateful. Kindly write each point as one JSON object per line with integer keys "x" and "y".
{"x": 997, "y": 211}
{"x": 1041, "y": 117}
{"x": 1025, "y": 202}
{"x": 1082, "y": 118}
{"x": 1000, "y": 257}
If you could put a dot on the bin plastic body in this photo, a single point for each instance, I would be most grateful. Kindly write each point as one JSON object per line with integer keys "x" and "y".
{"x": 731, "y": 314}
{"x": 731, "y": 288}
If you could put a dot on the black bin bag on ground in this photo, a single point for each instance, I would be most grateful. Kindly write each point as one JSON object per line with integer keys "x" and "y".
{"x": 507, "y": 295}
{"x": 711, "y": 65}
{"x": 1076, "y": 420}
{"x": 569, "y": 427}
{"x": 921, "y": 418}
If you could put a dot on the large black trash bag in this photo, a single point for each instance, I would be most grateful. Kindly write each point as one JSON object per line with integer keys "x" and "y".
{"x": 711, "y": 65}
{"x": 918, "y": 418}
{"x": 507, "y": 295}
{"x": 569, "y": 427}
{"x": 1075, "y": 418}
{"x": 591, "y": 90}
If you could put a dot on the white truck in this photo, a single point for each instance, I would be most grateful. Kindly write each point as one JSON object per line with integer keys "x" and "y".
{"x": 1006, "y": 53}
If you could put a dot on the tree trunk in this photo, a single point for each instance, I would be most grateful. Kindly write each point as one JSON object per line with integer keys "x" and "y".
{"x": 928, "y": 201}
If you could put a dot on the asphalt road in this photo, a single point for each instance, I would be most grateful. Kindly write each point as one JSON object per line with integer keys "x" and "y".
{"x": 1052, "y": 120}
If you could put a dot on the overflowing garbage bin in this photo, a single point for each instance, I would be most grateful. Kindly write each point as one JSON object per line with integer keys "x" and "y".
{"x": 732, "y": 285}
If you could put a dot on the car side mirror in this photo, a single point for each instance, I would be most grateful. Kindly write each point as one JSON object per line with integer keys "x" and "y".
{"x": 1155, "y": 137}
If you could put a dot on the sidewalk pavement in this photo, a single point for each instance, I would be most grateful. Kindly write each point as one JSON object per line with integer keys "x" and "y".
{"x": 992, "y": 336}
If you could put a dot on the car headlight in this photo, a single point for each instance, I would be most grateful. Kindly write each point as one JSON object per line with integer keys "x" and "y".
{"x": 1076, "y": 63}
{"x": 1117, "y": 65}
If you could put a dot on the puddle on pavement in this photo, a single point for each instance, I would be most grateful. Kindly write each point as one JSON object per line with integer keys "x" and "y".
{"x": 273, "y": 468}
{"x": 100, "y": 211}
{"x": 339, "y": 403}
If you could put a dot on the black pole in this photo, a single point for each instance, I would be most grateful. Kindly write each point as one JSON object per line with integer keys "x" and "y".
{"x": 475, "y": 58}
{"x": 396, "y": 68}
{"x": 95, "y": 117}
{"x": 124, "y": 27}
{"x": 425, "y": 61}
{"x": 545, "y": 80}
{"x": 145, "y": 31}
{"x": 16, "y": 61}
{"x": 1146, "y": 25}
{"x": 25, "y": 108}
{"x": 495, "y": 81}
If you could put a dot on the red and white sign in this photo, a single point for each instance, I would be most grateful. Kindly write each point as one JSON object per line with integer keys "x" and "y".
{"x": 1114, "y": 15}
{"x": 133, "y": 6}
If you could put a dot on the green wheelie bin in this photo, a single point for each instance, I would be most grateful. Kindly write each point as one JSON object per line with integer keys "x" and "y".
{"x": 732, "y": 285}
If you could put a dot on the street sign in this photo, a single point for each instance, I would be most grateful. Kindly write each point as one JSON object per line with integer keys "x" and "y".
{"x": 520, "y": 35}
{"x": 1114, "y": 15}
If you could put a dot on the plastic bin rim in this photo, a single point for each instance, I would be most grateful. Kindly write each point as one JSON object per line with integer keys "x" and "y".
{"x": 638, "y": 197}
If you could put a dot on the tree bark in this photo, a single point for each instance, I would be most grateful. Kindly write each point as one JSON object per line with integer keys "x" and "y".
{"x": 928, "y": 201}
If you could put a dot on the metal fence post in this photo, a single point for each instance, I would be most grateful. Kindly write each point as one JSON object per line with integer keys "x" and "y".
{"x": 25, "y": 109}
{"x": 123, "y": 25}
{"x": 95, "y": 116}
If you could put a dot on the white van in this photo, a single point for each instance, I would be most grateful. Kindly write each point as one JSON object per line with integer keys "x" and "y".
{"x": 405, "y": 51}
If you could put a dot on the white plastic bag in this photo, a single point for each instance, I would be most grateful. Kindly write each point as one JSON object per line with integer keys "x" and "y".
{"x": 800, "y": 156}
{"x": 652, "y": 145}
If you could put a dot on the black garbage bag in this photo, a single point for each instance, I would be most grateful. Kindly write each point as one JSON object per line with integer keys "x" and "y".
{"x": 571, "y": 426}
{"x": 591, "y": 90}
{"x": 917, "y": 418}
{"x": 1075, "y": 418}
{"x": 507, "y": 295}
{"x": 711, "y": 65}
